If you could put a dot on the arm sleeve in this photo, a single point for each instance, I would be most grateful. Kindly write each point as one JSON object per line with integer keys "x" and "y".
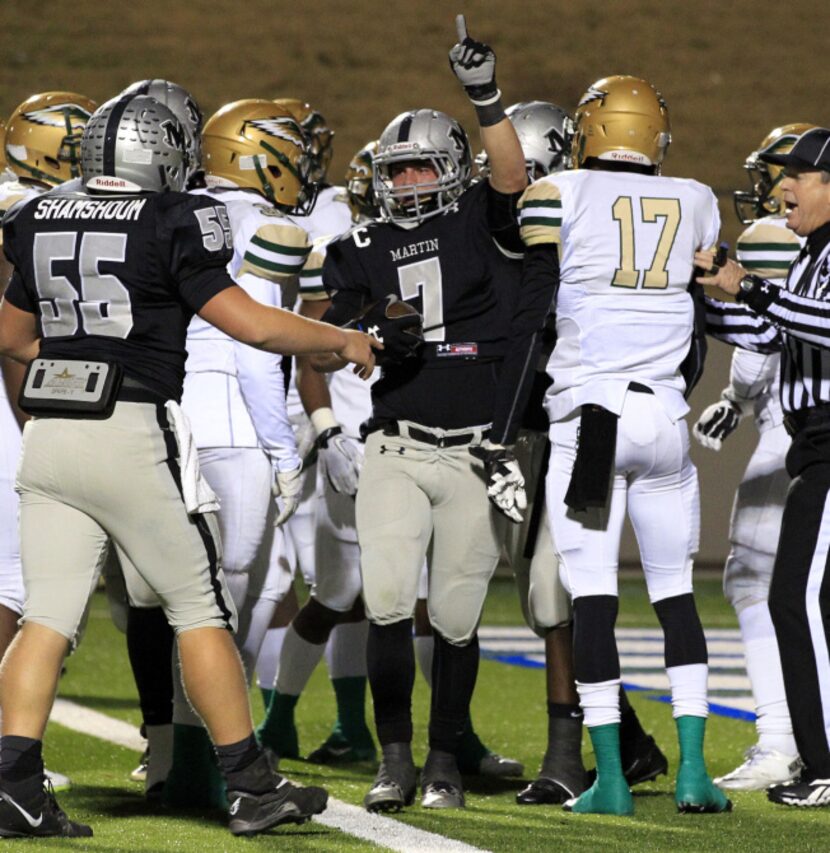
{"x": 802, "y": 317}
{"x": 262, "y": 384}
{"x": 503, "y": 220}
{"x": 750, "y": 374}
{"x": 18, "y": 296}
{"x": 348, "y": 295}
{"x": 537, "y": 296}
{"x": 738, "y": 325}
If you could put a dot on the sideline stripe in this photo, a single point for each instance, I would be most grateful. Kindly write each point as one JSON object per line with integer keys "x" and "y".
{"x": 353, "y": 820}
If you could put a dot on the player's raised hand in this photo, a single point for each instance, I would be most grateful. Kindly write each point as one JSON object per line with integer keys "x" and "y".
{"x": 474, "y": 64}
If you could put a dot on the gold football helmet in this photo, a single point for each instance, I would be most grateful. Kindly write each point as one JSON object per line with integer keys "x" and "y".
{"x": 359, "y": 187}
{"x": 258, "y": 145}
{"x": 43, "y": 136}
{"x": 319, "y": 135}
{"x": 764, "y": 197}
{"x": 621, "y": 119}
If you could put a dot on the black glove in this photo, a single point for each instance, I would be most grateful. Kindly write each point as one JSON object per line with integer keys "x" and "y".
{"x": 397, "y": 325}
{"x": 474, "y": 64}
{"x": 505, "y": 483}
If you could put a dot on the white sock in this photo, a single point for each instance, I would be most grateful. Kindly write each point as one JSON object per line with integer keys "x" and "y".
{"x": 269, "y": 657}
{"x": 763, "y": 665}
{"x": 688, "y": 690}
{"x": 297, "y": 662}
{"x": 346, "y": 650}
{"x": 254, "y": 618}
{"x": 160, "y": 742}
{"x": 424, "y": 649}
{"x": 600, "y": 701}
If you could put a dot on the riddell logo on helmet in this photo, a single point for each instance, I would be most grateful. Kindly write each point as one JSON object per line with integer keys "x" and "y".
{"x": 627, "y": 156}
{"x": 109, "y": 182}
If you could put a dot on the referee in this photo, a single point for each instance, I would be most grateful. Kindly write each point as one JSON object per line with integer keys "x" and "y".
{"x": 795, "y": 320}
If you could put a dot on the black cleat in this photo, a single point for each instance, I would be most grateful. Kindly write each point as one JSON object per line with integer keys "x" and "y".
{"x": 395, "y": 782}
{"x": 806, "y": 793}
{"x": 441, "y": 786}
{"x": 545, "y": 791}
{"x": 643, "y": 762}
{"x": 286, "y": 803}
{"x": 46, "y": 818}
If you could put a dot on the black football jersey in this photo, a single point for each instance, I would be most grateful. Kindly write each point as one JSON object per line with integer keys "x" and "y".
{"x": 451, "y": 269}
{"x": 118, "y": 278}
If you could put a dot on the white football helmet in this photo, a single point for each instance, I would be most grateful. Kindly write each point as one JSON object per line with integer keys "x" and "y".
{"x": 427, "y": 137}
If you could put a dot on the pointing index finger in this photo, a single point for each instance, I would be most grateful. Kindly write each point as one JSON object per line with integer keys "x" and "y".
{"x": 460, "y": 28}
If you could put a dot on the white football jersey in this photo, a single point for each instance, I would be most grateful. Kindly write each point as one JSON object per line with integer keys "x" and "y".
{"x": 623, "y": 310}
{"x": 234, "y": 394}
{"x": 350, "y": 396}
{"x": 766, "y": 248}
{"x": 14, "y": 191}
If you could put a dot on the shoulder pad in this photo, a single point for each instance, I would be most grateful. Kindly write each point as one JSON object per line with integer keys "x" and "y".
{"x": 768, "y": 248}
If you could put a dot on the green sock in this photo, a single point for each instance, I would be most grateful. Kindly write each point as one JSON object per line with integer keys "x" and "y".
{"x": 278, "y": 731}
{"x": 194, "y": 779}
{"x": 351, "y": 711}
{"x": 267, "y": 695}
{"x": 610, "y": 793}
{"x": 471, "y": 749}
{"x": 694, "y": 790}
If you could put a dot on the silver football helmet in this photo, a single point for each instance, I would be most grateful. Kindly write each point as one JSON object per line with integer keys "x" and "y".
{"x": 545, "y": 133}
{"x": 427, "y": 137}
{"x": 134, "y": 143}
{"x": 183, "y": 105}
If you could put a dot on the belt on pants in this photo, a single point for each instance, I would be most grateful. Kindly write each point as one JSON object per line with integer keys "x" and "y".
{"x": 427, "y": 436}
{"x": 796, "y": 421}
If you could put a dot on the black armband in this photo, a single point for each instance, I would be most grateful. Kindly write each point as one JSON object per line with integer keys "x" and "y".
{"x": 490, "y": 112}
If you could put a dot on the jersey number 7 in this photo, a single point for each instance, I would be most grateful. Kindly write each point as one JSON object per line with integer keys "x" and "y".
{"x": 651, "y": 210}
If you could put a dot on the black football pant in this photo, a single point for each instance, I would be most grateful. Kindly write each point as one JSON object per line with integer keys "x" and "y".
{"x": 799, "y": 596}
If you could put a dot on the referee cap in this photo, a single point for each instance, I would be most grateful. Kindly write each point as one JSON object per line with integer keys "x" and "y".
{"x": 811, "y": 151}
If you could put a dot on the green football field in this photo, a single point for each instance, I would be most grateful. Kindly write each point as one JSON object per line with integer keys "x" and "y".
{"x": 509, "y": 712}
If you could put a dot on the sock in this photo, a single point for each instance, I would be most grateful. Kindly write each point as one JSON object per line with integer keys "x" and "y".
{"x": 600, "y": 702}
{"x": 390, "y": 662}
{"x": 688, "y": 690}
{"x": 278, "y": 730}
{"x": 194, "y": 778}
{"x": 298, "y": 659}
{"x": 563, "y": 755}
{"x": 21, "y": 767}
{"x": 150, "y": 641}
{"x": 685, "y": 642}
{"x": 606, "y": 742}
{"x": 454, "y": 672}
{"x": 596, "y": 660}
{"x": 351, "y": 710}
{"x": 235, "y": 757}
{"x": 424, "y": 650}
{"x": 763, "y": 665}
{"x": 160, "y": 744}
{"x": 346, "y": 650}
{"x": 269, "y": 657}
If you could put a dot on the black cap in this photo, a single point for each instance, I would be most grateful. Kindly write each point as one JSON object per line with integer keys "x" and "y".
{"x": 811, "y": 151}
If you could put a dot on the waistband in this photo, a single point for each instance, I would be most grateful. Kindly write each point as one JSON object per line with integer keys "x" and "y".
{"x": 796, "y": 421}
{"x": 427, "y": 435}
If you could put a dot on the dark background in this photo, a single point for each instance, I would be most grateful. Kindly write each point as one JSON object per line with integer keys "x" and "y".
{"x": 729, "y": 72}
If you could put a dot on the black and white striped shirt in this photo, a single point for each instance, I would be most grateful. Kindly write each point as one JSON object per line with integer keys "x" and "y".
{"x": 793, "y": 319}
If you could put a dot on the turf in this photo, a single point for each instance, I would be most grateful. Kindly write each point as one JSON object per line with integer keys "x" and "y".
{"x": 509, "y": 714}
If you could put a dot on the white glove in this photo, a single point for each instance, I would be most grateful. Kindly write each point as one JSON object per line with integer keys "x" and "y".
{"x": 474, "y": 64}
{"x": 505, "y": 482}
{"x": 305, "y": 434}
{"x": 287, "y": 486}
{"x": 340, "y": 460}
{"x": 716, "y": 423}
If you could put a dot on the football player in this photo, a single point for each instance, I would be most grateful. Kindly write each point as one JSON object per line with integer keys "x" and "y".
{"x": 128, "y": 261}
{"x": 44, "y": 135}
{"x": 767, "y": 248}
{"x": 420, "y": 488}
{"x": 612, "y": 243}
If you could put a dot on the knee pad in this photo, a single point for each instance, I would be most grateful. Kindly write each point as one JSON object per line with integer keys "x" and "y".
{"x": 746, "y": 577}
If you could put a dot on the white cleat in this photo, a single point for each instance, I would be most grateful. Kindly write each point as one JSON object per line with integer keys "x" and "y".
{"x": 762, "y": 768}
{"x": 58, "y": 780}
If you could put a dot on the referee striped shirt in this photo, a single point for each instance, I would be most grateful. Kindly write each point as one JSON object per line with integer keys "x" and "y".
{"x": 793, "y": 319}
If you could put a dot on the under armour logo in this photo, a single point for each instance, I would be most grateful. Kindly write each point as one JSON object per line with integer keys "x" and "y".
{"x": 399, "y": 450}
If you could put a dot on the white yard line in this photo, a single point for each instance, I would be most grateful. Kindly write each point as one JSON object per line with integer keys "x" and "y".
{"x": 383, "y": 831}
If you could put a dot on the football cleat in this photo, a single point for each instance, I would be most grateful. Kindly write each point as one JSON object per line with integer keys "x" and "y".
{"x": 605, "y": 796}
{"x": 58, "y": 781}
{"x": 805, "y": 793}
{"x": 44, "y": 819}
{"x": 394, "y": 785}
{"x": 695, "y": 793}
{"x": 643, "y": 762}
{"x": 498, "y": 767}
{"x": 337, "y": 750}
{"x": 762, "y": 768}
{"x": 140, "y": 772}
{"x": 442, "y": 795}
{"x": 546, "y": 791}
{"x": 286, "y": 803}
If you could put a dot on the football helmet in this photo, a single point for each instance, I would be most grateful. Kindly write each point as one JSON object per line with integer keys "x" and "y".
{"x": 256, "y": 144}
{"x": 544, "y": 131}
{"x": 43, "y": 136}
{"x": 319, "y": 134}
{"x": 182, "y": 104}
{"x": 621, "y": 119}
{"x": 359, "y": 187}
{"x": 133, "y": 143}
{"x": 431, "y": 138}
{"x": 764, "y": 197}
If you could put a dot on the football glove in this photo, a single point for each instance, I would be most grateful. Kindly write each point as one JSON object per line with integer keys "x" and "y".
{"x": 474, "y": 64}
{"x": 287, "y": 486}
{"x": 716, "y": 423}
{"x": 340, "y": 460}
{"x": 397, "y": 325}
{"x": 505, "y": 483}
